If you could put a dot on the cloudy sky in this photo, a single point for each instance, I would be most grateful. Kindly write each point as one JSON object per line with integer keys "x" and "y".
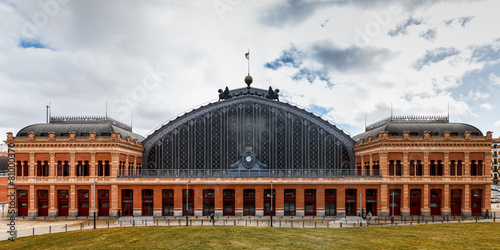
{"x": 346, "y": 60}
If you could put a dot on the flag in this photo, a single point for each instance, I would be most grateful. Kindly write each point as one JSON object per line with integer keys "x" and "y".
{"x": 247, "y": 55}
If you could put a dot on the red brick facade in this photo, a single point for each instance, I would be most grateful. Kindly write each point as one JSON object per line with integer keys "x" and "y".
{"x": 427, "y": 174}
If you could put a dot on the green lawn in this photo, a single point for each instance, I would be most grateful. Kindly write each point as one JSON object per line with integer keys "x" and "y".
{"x": 464, "y": 235}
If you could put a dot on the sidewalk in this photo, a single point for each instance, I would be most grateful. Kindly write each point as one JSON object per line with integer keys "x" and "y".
{"x": 29, "y": 227}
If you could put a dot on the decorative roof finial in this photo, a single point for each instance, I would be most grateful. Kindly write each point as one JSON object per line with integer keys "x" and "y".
{"x": 248, "y": 78}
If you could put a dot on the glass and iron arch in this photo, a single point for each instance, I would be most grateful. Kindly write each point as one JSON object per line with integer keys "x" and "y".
{"x": 286, "y": 140}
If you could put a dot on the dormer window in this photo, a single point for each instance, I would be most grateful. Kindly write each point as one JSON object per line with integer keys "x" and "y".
{"x": 64, "y": 134}
{"x": 44, "y": 134}
{"x": 433, "y": 133}
{"x": 413, "y": 133}
{"x": 23, "y": 135}
{"x": 84, "y": 134}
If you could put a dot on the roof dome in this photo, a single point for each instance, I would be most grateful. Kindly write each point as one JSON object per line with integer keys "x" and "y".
{"x": 62, "y": 126}
{"x": 417, "y": 125}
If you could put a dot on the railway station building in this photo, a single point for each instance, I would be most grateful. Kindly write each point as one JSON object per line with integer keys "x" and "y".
{"x": 250, "y": 154}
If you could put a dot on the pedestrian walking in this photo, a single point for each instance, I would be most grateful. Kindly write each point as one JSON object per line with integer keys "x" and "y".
{"x": 212, "y": 217}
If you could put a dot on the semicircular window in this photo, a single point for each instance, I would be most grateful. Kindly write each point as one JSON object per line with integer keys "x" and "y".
{"x": 285, "y": 141}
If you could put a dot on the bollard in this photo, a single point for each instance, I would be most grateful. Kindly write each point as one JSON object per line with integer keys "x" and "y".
{"x": 50, "y": 229}
{"x": 280, "y": 223}
{"x": 303, "y": 224}
{"x": 246, "y": 223}
{"x": 234, "y": 223}
{"x": 327, "y": 225}
{"x": 340, "y": 224}
{"x": 202, "y": 222}
{"x": 33, "y": 231}
{"x": 291, "y": 223}
{"x": 120, "y": 223}
{"x": 433, "y": 219}
{"x": 315, "y": 224}
{"x": 66, "y": 228}
{"x": 168, "y": 222}
{"x": 146, "y": 223}
{"x": 257, "y": 222}
{"x": 133, "y": 223}
{"x": 191, "y": 222}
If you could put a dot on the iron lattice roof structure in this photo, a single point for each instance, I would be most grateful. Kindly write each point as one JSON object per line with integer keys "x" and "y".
{"x": 289, "y": 140}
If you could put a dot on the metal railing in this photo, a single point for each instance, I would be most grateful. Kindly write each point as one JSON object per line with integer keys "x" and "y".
{"x": 248, "y": 173}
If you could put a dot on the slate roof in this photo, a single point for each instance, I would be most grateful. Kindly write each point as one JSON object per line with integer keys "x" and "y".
{"x": 101, "y": 129}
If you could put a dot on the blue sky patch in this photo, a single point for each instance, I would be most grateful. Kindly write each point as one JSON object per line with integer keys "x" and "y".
{"x": 31, "y": 44}
{"x": 290, "y": 57}
{"x": 434, "y": 56}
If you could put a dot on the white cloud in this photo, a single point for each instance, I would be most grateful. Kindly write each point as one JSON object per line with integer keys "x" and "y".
{"x": 494, "y": 78}
{"x": 477, "y": 95}
{"x": 101, "y": 50}
{"x": 497, "y": 124}
{"x": 486, "y": 106}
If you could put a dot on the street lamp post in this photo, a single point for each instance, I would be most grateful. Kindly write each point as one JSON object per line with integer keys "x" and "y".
{"x": 360, "y": 206}
{"x": 94, "y": 203}
{"x": 271, "y": 202}
{"x": 392, "y": 205}
{"x": 187, "y": 202}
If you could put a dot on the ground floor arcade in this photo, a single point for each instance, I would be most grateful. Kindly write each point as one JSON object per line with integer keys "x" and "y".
{"x": 251, "y": 200}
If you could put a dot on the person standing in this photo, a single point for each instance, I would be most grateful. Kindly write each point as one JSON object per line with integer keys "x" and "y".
{"x": 368, "y": 217}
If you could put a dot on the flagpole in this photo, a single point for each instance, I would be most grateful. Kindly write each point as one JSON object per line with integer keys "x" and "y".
{"x": 248, "y": 61}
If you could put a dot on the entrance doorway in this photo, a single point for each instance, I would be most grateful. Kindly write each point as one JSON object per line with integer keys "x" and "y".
{"x": 371, "y": 201}
{"x": 189, "y": 207}
{"x": 249, "y": 202}
{"x": 289, "y": 202}
{"x": 127, "y": 202}
{"x": 310, "y": 202}
{"x": 435, "y": 201}
{"x": 208, "y": 201}
{"x": 43, "y": 202}
{"x": 475, "y": 203}
{"x": 63, "y": 208}
{"x": 415, "y": 201}
{"x": 228, "y": 202}
{"x": 395, "y": 207}
{"x": 22, "y": 199}
{"x": 350, "y": 202}
{"x": 330, "y": 201}
{"x": 456, "y": 202}
{"x": 103, "y": 202}
{"x": 267, "y": 202}
{"x": 168, "y": 202}
{"x": 83, "y": 202}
